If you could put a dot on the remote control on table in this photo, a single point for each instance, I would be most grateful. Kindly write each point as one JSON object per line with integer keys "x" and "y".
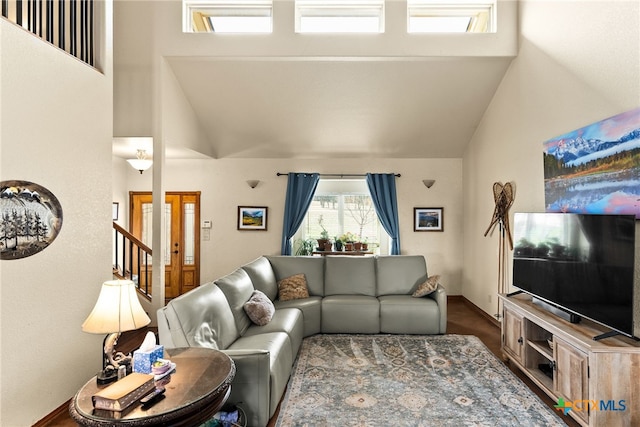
{"x": 150, "y": 398}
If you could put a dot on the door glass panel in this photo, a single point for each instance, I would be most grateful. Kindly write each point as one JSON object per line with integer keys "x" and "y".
{"x": 167, "y": 233}
{"x": 189, "y": 233}
{"x": 147, "y": 224}
{"x": 147, "y": 230}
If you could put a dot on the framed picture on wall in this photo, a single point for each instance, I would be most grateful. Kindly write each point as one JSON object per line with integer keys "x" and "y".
{"x": 31, "y": 218}
{"x": 594, "y": 169}
{"x": 428, "y": 219}
{"x": 252, "y": 218}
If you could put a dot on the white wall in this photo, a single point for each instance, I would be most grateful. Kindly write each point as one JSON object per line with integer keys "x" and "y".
{"x": 579, "y": 63}
{"x": 224, "y": 188}
{"x": 56, "y": 128}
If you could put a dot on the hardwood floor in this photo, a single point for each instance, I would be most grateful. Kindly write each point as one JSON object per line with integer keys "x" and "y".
{"x": 463, "y": 319}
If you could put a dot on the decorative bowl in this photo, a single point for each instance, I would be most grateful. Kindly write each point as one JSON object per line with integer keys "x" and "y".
{"x": 160, "y": 366}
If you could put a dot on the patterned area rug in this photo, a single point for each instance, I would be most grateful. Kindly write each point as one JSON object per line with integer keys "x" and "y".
{"x": 406, "y": 380}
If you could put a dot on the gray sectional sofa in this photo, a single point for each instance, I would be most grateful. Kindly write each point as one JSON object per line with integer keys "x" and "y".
{"x": 359, "y": 295}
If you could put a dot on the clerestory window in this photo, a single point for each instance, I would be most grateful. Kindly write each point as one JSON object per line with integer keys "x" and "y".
{"x": 451, "y": 16}
{"x": 339, "y": 16}
{"x": 228, "y": 16}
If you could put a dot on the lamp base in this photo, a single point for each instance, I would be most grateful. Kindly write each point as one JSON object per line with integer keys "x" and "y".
{"x": 106, "y": 376}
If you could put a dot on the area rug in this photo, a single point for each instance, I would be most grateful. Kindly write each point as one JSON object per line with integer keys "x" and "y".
{"x": 406, "y": 380}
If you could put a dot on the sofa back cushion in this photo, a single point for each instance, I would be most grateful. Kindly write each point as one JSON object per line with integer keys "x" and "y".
{"x": 400, "y": 274}
{"x": 262, "y": 277}
{"x": 202, "y": 317}
{"x": 312, "y": 267}
{"x": 237, "y": 287}
{"x": 350, "y": 275}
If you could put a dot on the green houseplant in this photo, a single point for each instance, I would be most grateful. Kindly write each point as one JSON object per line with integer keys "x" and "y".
{"x": 323, "y": 241}
{"x": 304, "y": 247}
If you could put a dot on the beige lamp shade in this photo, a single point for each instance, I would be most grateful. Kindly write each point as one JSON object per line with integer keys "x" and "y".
{"x": 117, "y": 309}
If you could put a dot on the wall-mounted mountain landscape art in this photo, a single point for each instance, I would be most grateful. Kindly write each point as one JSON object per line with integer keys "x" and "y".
{"x": 595, "y": 169}
{"x": 31, "y": 218}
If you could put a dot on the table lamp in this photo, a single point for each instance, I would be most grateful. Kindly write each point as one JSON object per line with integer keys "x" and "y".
{"x": 117, "y": 310}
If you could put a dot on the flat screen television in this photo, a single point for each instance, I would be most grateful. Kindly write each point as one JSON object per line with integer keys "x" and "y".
{"x": 581, "y": 264}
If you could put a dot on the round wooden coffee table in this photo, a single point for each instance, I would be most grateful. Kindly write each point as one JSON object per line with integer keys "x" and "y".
{"x": 194, "y": 394}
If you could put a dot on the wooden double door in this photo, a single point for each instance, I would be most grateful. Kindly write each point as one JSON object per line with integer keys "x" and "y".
{"x": 181, "y": 254}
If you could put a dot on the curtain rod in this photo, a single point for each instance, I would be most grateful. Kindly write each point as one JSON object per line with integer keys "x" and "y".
{"x": 339, "y": 175}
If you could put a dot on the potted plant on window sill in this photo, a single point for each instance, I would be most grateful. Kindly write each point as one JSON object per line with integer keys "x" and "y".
{"x": 305, "y": 247}
{"x": 338, "y": 244}
{"x": 323, "y": 241}
{"x": 349, "y": 239}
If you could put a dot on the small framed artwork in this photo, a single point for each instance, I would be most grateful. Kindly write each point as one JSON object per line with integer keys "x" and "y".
{"x": 114, "y": 211}
{"x": 252, "y": 218}
{"x": 428, "y": 219}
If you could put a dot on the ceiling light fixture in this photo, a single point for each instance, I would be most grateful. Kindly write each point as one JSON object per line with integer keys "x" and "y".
{"x": 428, "y": 182}
{"x": 253, "y": 183}
{"x": 140, "y": 163}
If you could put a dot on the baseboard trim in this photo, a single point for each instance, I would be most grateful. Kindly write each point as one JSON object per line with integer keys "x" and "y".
{"x": 460, "y": 298}
{"x": 59, "y": 411}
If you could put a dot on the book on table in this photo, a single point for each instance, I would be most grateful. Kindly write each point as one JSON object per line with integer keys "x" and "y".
{"x": 124, "y": 392}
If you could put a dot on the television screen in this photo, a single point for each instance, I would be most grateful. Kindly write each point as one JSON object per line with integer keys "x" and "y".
{"x": 581, "y": 263}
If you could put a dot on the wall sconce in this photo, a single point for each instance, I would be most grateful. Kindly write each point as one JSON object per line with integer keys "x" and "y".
{"x": 428, "y": 182}
{"x": 140, "y": 163}
{"x": 253, "y": 183}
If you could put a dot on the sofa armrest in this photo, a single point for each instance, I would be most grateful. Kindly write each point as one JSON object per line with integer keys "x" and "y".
{"x": 251, "y": 387}
{"x": 164, "y": 333}
{"x": 440, "y": 295}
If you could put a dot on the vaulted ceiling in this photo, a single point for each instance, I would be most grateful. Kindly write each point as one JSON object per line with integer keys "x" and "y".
{"x": 399, "y": 108}
{"x": 286, "y": 96}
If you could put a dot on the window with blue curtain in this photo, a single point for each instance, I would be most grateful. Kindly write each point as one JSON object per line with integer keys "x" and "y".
{"x": 300, "y": 190}
{"x": 383, "y": 192}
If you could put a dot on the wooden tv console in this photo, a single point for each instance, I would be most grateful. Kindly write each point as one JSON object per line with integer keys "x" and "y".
{"x": 599, "y": 379}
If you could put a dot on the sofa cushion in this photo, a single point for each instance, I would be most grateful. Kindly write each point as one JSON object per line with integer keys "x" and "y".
{"x": 350, "y": 275}
{"x": 402, "y": 314}
{"x": 293, "y": 287}
{"x": 426, "y": 287}
{"x": 259, "y": 308}
{"x": 312, "y": 267}
{"x": 400, "y": 275}
{"x": 201, "y": 317}
{"x": 311, "y": 312}
{"x": 288, "y": 320}
{"x": 350, "y": 314}
{"x": 237, "y": 287}
{"x": 262, "y": 277}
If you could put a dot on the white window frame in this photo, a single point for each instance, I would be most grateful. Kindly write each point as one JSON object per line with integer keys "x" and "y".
{"x": 345, "y": 187}
{"x": 482, "y": 13}
{"x": 339, "y": 11}
{"x": 197, "y": 15}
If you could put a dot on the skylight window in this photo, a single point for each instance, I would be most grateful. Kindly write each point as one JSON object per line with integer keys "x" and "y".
{"x": 340, "y": 16}
{"x": 228, "y": 16}
{"x": 463, "y": 16}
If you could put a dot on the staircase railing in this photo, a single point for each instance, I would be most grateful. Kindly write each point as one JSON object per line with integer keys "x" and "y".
{"x": 71, "y": 25}
{"x": 132, "y": 260}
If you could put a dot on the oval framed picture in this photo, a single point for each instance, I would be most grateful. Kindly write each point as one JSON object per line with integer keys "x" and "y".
{"x": 31, "y": 218}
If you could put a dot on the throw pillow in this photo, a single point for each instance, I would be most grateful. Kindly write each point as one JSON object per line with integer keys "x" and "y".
{"x": 259, "y": 308}
{"x": 430, "y": 285}
{"x": 293, "y": 287}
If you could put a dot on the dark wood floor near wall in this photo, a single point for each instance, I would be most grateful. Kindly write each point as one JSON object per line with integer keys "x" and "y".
{"x": 463, "y": 319}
